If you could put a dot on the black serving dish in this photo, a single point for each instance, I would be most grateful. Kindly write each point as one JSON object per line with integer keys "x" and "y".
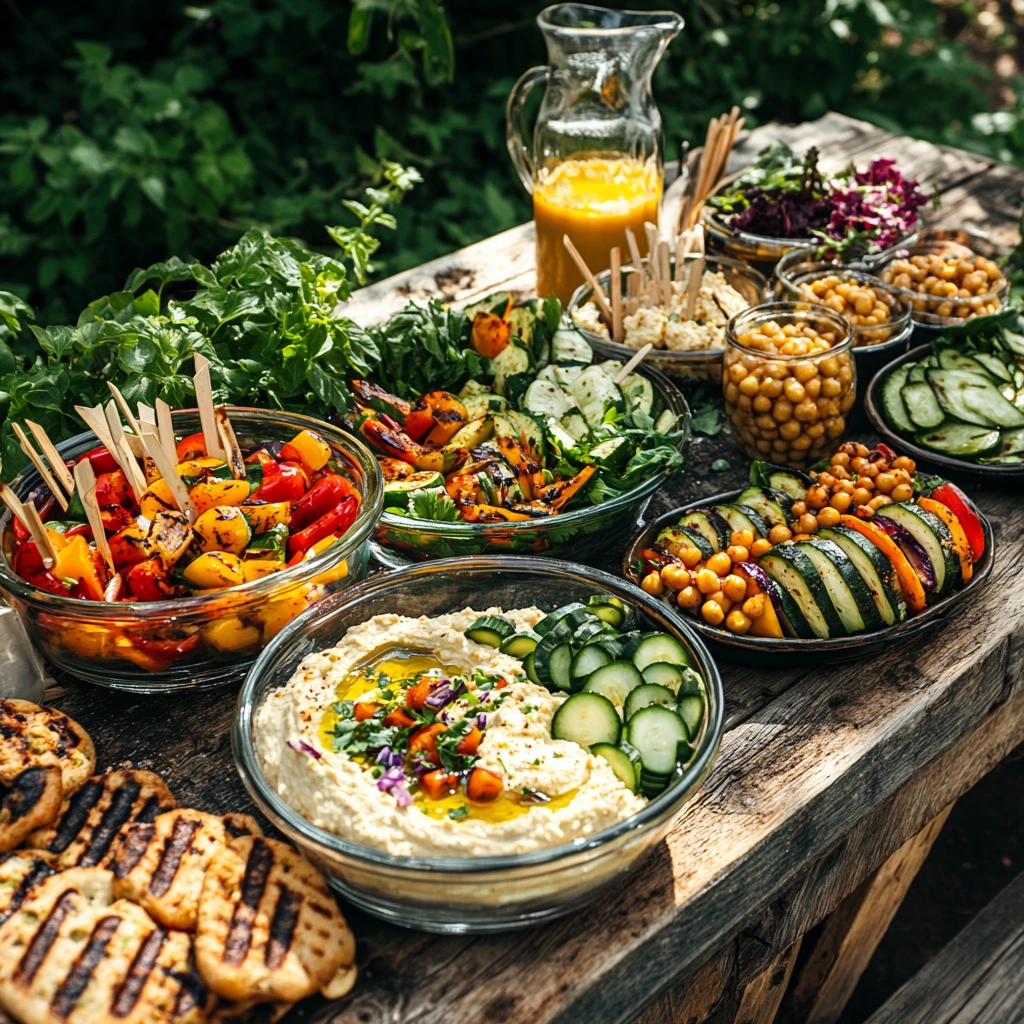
{"x": 785, "y": 652}
{"x": 995, "y": 475}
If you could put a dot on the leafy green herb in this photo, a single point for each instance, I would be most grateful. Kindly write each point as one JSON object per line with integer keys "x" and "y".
{"x": 721, "y": 465}
{"x": 433, "y": 503}
{"x": 705, "y": 420}
{"x": 458, "y": 813}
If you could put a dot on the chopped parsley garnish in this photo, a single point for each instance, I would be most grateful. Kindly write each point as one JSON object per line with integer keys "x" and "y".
{"x": 345, "y": 708}
{"x": 458, "y": 813}
{"x": 503, "y": 768}
{"x": 535, "y": 762}
{"x": 527, "y": 708}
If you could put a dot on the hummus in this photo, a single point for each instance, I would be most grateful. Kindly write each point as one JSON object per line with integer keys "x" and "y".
{"x": 317, "y": 758}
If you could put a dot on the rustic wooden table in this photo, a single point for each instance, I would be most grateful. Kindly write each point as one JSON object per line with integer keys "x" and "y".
{"x": 829, "y": 789}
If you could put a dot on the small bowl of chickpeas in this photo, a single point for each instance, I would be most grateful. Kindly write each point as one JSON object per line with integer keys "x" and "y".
{"x": 944, "y": 282}
{"x": 789, "y": 381}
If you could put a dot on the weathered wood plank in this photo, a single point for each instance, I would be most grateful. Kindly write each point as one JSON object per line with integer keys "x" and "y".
{"x": 761, "y": 998}
{"x": 978, "y": 977}
{"x": 852, "y": 932}
{"x": 693, "y": 1003}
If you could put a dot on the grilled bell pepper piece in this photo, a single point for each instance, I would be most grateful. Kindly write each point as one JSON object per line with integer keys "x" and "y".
{"x": 148, "y": 581}
{"x": 270, "y": 545}
{"x": 307, "y": 448}
{"x": 263, "y": 516}
{"x": 223, "y": 528}
{"x": 282, "y": 481}
{"x": 324, "y": 495}
{"x": 334, "y": 523}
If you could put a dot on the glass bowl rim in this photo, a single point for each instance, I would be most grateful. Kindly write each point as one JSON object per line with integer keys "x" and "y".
{"x": 663, "y": 356}
{"x": 294, "y": 823}
{"x": 358, "y": 532}
{"x": 576, "y": 516}
{"x": 787, "y": 308}
{"x": 919, "y": 248}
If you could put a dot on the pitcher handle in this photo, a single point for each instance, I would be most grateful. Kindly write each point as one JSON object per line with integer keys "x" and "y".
{"x": 514, "y": 124}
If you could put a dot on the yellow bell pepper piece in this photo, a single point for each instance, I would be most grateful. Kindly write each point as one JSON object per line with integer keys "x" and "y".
{"x": 155, "y": 498}
{"x": 215, "y": 569}
{"x": 197, "y": 467}
{"x": 257, "y": 568}
{"x": 87, "y": 641}
{"x": 75, "y": 562}
{"x": 313, "y": 452}
{"x": 264, "y": 517}
{"x": 223, "y": 528}
{"x": 279, "y": 612}
{"x": 231, "y": 634}
{"x": 211, "y": 493}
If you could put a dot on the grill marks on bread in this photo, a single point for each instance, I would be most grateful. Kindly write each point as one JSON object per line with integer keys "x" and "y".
{"x": 268, "y": 927}
{"x": 93, "y": 819}
{"x": 19, "y": 873}
{"x": 31, "y": 801}
{"x": 32, "y": 736}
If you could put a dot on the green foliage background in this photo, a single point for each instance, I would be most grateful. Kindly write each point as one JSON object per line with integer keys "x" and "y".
{"x": 130, "y": 132}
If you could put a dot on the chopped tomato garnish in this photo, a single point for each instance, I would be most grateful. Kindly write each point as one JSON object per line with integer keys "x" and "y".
{"x": 424, "y": 742}
{"x": 399, "y": 719}
{"x": 416, "y": 696}
{"x": 438, "y": 783}
{"x": 365, "y": 709}
{"x": 483, "y": 785}
{"x": 470, "y": 742}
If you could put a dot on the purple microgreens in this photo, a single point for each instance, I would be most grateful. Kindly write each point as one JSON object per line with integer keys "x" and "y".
{"x": 302, "y": 747}
{"x": 481, "y": 721}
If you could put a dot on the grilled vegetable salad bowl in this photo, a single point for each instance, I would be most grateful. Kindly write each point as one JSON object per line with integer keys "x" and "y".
{"x": 191, "y": 605}
{"x": 862, "y": 548}
{"x": 531, "y": 446}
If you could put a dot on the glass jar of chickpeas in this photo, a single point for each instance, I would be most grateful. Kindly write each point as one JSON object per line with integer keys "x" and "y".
{"x": 945, "y": 282}
{"x": 788, "y": 380}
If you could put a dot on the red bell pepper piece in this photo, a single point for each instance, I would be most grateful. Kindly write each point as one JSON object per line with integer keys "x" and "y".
{"x": 115, "y": 517}
{"x": 48, "y": 582}
{"x": 327, "y": 492}
{"x": 147, "y": 581}
{"x": 191, "y": 447}
{"x": 167, "y": 648}
{"x": 102, "y": 461}
{"x": 336, "y": 522}
{"x": 282, "y": 481}
{"x": 82, "y": 530}
{"x": 21, "y": 534}
{"x": 28, "y": 562}
{"x": 112, "y": 489}
{"x": 963, "y": 508}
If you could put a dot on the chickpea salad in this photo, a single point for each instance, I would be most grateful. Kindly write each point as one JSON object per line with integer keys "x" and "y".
{"x": 956, "y": 286}
{"x": 860, "y": 543}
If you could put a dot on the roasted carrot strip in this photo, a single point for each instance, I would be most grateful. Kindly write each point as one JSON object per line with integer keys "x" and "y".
{"x": 910, "y": 582}
{"x": 963, "y": 548}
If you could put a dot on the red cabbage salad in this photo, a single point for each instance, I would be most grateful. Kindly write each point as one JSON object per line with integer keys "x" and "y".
{"x": 782, "y": 196}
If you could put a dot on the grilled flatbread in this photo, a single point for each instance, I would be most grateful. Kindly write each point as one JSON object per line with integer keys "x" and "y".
{"x": 268, "y": 927}
{"x": 72, "y": 954}
{"x": 19, "y": 873}
{"x": 160, "y": 865}
{"x": 31, "y": 801}
{"x": 32, "y": 736}
{"x": 239, "y": 824}
{"x": 95, "y": 818}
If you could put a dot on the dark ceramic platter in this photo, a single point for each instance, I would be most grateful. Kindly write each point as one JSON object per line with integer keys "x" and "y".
{"x": 757, "y": 651}
{"x": 994, "y": 475}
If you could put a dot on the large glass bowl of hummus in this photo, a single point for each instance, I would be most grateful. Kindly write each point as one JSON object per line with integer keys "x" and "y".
{"x": 514, "y": 862}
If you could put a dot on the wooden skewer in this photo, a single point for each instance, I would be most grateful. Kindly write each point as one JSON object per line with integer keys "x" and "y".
{"x": 26, "y": 446}
{"x": 204, "y": 401}
{"x": 693, "y": 286}
{"x": 123, "y": 453}
{"x": 49, "y": 449}
{"x": 640, "y": 356}
{"x": 230, "y": 443}
{"x": 615, "y": 283}
{"x": 11, "y": 500}
{"x": 166, "y": 427}
{"x": 40, "y": 536}
{"x": 169, "y": 471}
{"x": 96, "y": 421}
{"x": 638, "y": 263}
{"x": 633, "y": 292}
{"x": 85, "y": 480}
{"x": 665, "y": 273}
{"x": 599, "y": 296}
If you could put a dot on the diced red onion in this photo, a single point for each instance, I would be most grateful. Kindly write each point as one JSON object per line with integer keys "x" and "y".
{"x": 402, "y": 795}
{"x": 302, "y": 747}
{"x": 389, "y": 422}
{"x": 481, "y": 721}
{"x": 910, "y": 546}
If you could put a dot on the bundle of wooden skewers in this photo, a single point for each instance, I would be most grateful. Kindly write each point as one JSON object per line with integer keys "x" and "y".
{"x": 151, "y": 440}
{"x": 710, "y": 170}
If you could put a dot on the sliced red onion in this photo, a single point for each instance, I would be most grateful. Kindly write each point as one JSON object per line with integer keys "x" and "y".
{"x": 481, "y": 721}
{"x": 910, "y": 546}
{"x": 443, "y": 693}
{"x": 302, "y": 747}
{"x": 383, "y": 756}
{"x": 389, "y": 422}
{"x": 391, "y": 778}
{"x": 443, "y": 718}
{"x": 402, "y": 795}
{"x": 765, "y": 582}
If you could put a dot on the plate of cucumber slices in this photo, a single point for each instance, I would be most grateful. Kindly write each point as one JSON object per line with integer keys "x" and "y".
{"x": 956, "y": 407}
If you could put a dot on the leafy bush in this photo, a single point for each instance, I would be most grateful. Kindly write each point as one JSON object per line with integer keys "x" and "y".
{"x": 133, "y": 132}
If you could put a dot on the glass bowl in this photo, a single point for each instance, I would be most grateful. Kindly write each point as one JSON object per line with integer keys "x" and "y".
{"x": 697, "y": 366}
{"x": 472, "y": 894}
{"x": 202, "y": 640}
{"x": 789, "y": 409}
{"x": 932, "y": 311}
{"x": 873, "y": 345}
{"x": 580, "y": 534}
{"x": 759, "y": 251}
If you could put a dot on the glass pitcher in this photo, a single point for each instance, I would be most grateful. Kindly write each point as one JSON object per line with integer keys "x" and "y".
{"x": 596, "y": 162}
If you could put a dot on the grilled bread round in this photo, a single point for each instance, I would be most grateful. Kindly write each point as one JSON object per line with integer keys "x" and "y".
{"x": 161, "y": 864}
{"x": 19, "y": 873}
{"x": 73, "y": 954}
{"x": 34, "y": 736}
{"x": 239, "y": 824}
{"x": 31, "y": 801}
{"x": 95, "y": 818}
{"x": 268, "y": 927}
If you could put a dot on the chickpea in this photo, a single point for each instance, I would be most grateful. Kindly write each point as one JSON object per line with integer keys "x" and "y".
{"x": 743, "y": 537}
{"x": 719, "y": 563}
{"x": 737, "y": 372}
{"x": 870, "y": 471}
{"x": 860, "y": 496}
{"x": 690, "y": 598}
{"x": 828, "y": 516}
{"x": 813, "y": 387}
{"x": 762, "y": 403}
{"x": 802, "y": 443}
{"x": 805, "y": 371}
{"x": 651, "y": 584}
{"x": 707, "y": 581}
{"x": 731, "y": 393}
{"x": 840, "y": 501}
{"x": 817, "y": 497}
{"x": 675, "y": 577}
{"x": 718, "y": 597}
{"x": 885, "y": 482}
{"x": 689, "y": 556}
{"x": 782, "y": 410}
{"x": 878, "y": 501}
{"x": 840, "y": 459}
{"x": 760, "y": 547}
{"x": 779, "y": 533}
{"x": 806, "y": 411}
{"x": 840, "y": 472}
{"x": 902, "y": 492}
{"x": 807, "y": 523}
{"x": 901, "y": 476}
{"x": 825, "y": 478}
{"x": 771, "y": 388}
{"x": 738, "y": 552}
{"x": 831, "y": 387}
{"x": 857, "y": 465}
{"x": 753, "y": 607}
{"x": 798, "y": 508}
{"x": 737, "y": 622}
{"x": 734, "y": 587}
{"x": 801, "y": 536}
{"x": 847, "y": 486}
{"x": 712, "y": 613}
{"x": 904, "y": 463}
{"x": 789, "y": 430}
{"x": 794, "y": 391}
{"x": 749, "y": 386}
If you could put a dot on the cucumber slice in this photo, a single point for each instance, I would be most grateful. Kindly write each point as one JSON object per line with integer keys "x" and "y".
{"x": 788, "y": 483}
{"x": 663, "y": 673}
{"x": 614, "y": 681}
{"x": 491, "y": 630}
{"x": 609, "y": 609}
{"x": 675, "y": 538}
{"x": 574, "y": 425}
{"x": 547, "y": 399}
{"x": 892, "y": 402}
{"x": 692, "y": 683}
{"x": 552, "y": 619}
{"x": 1011, "y": 443}
{"x": 652, "y": 785}
{"x": 528, "y": 429}
{"x": 512, "y": 360}
{"x": 594, "y": 392}
{"x": 933, "y": 535}
{"x": 625, "y": 766}
{"x": 691, "y": 711}
{"x": 964, "y": 395}
{"x": 795, "y": 573}
{"x": 520, "y": 645}
{"x": 496, "y": 303}
{"x": 951, "y": 359}
{"x": 874, "y": 568}
{"x": 848, "y": 591}
{"x": 710, "y": 525}
{"x": 563, "y": 376}
{"x": 552, "y": 662}
{"x": 922, "y": 406}
{"x": 587, "y": 719}
{"x": 916, "y": 372}
{"x": 639, "y": 394}
{"x": 963, "y": 440}
{"x": 660, "y": 647}
{"x": 644, "y": 696}
{"x": 569, "y": 346}
{"x": 612, "y": 454}
{"x": 530, "y": 669}
{"x": 994, "y": 365}
{"x": 396, "y": 492}
{"x": 655, "y": 733}
{"x": 772, "y": 506}
{"x": 586, "y": 661}
{"x": 592, "y": 631}
{"x": 740, "y": 518}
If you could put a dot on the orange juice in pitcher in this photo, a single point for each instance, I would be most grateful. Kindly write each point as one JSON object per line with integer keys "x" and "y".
{"x": 594, "y": 167}
{"x": 592, "y": 201}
